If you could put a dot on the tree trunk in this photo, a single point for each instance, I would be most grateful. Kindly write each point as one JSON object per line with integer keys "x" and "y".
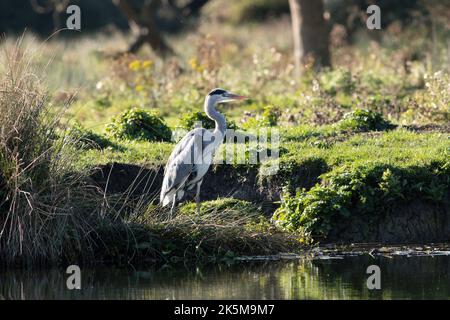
{"x": 145, "y": 26}
{"x": 143, "y": 21}
{"x": 310, "y": 33}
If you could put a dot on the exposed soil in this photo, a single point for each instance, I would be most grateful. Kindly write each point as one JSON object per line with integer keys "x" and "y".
{"x": 413, "y": 222}
{"x": 220, "y": 181}
{"x": 240, "y": 182}
{"x": 441, "y": 128}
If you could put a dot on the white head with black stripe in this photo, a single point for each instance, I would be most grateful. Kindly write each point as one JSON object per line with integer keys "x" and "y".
{"x": 220, "y": 95}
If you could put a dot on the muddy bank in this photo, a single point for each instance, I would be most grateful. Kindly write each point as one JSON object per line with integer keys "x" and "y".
{"x": 439, "y": 128}
{"x": 240, "y": 182}
{"x": 413, "y": 222}
{"x": 221, "y": 181}
{"x": 416, "y": 222}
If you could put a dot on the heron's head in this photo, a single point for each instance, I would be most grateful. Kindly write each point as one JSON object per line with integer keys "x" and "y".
{"x": 221, "y": 95}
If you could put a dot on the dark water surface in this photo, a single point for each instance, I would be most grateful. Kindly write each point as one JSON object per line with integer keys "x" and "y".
{"x": 401, "y": 278}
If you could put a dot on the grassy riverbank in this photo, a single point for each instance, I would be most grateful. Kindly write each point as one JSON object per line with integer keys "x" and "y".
{"x": 363, "y": 147}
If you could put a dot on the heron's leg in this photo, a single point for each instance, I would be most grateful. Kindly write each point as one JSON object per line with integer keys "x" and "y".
{"x": 197, "y": 197}
{"x": 174, "y": 203}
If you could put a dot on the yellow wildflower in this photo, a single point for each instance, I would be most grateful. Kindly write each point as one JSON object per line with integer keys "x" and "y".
{"x": 147, "y": 64}
{"x": 135, "y": 65}
{"x": 195, "y": 65}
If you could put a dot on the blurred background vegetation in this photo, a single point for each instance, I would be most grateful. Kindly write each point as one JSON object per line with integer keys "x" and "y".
{"x": 112, "y": 65}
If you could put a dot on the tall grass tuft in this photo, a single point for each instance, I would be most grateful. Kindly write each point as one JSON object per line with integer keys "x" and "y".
{"x": 38, "y": 218}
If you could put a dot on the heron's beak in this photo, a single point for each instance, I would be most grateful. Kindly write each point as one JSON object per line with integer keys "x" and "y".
{"x": 236, "y": 97}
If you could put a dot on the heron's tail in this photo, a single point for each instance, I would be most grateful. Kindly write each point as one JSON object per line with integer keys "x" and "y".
{"x": 165, "y": 201}
{"x": 166, "y": 197}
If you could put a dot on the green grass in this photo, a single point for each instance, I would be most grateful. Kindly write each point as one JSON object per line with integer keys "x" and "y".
{"x": 398, "y": 146}
{"x": 133, "y": 152}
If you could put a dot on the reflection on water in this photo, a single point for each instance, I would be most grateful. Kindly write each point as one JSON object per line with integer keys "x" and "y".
{"x": 401, "y": 278}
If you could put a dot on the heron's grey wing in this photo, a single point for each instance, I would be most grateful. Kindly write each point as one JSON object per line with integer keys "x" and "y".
{"x": 182, "y": 144}
{"x": 181, "y": 163}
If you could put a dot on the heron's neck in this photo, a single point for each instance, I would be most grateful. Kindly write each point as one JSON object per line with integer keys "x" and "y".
{"x": 212, "y": 113}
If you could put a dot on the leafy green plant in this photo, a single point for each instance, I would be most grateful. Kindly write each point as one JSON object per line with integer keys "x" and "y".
{"x": 190, "y": 120}
{"x": 138, "y": 124}
{"x": 312, "y": 210}
{"x": 364, "y": 120}
{"x": 269, "y": 118}
{"x": 368, "y": 189}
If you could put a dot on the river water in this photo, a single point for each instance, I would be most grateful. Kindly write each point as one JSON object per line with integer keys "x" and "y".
{"x": 402, "y": 277}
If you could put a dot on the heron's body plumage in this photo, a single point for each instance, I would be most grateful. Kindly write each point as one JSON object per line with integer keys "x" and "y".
{"x": 187, "y": 165}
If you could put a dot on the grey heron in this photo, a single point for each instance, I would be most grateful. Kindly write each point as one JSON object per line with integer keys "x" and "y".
{"x": 193, "y": 155}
